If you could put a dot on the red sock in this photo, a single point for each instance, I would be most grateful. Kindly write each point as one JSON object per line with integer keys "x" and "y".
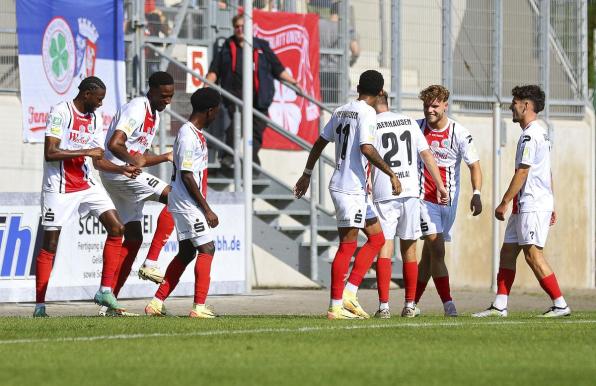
{"x": 171, "y": 278}
{"x": 442, "y": 284}
{"x": 111, "y": 260}
{"x": 420, "y": 287}
{"x": 550, "y": 285}
{"x": 43, "y": 269}
{"x": 410, "y": 279}
{"x": 202, "y": 277}
{"x": 165, "y": 226}
{"x": 383, "y": 278}
{"x": 340, "y": 266}
{"x": 365, "y": 257}
{"x": 505, "y": 279}
{"x": 128, "y": 253}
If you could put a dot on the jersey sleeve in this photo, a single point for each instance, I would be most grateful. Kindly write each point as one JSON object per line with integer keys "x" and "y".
{"x": 528, "y": 151}
{"x": 131, "y": 118}
{"x": 367, "y": 126}
{"x": 57, "y": 122}
{"x": 185, "y": 156}
{"x": 419, "y": 139}
{"x": 466, "y": 146}
{"x": 328, "y": 132}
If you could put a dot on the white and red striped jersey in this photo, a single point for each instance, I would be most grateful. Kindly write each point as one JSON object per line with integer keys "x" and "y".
{"x": 139, "y": 123}
{"x": 350, "y": 126}
{"x": 76, "y": 131}
{"x": 449, "y": 146}
{"x": 190, "y": 154}
{"x": 533, "y": 150}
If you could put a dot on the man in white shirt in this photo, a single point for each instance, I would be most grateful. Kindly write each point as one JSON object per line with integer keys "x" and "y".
{"x": 188, "y": 204}
{"x": 533, "y": 207}
{"x": 450, "y": 143}
{"x": 399, "y": 141}
{"x": 352, "y": 128}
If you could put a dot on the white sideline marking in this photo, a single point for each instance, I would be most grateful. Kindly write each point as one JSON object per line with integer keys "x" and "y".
{"x": 277, "y": 330}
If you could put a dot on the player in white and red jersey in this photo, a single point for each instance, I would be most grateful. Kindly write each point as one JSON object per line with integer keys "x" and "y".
{"x": 188, "y": 204}
{"x": 128, "y": 141}
{"x": 399, "y": 141}
{"x": 72, "y": 136}
{"x": 533, "y": 206}
{"x": 449, "y": 142}
{"x": 352, "y": 128}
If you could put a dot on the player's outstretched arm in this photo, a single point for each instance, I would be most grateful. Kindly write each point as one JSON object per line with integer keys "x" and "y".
{"x": 476, "y": 177}
{"x": 52, "y": 151}
{"x": 518, "y": 180}
{"x": 301, "y": 186}
{"x": 373, "y": 156}
{"x": 107, "y": 166}
{"x": 191, "y": 186}
{"x": 431, "y": 165}
{"x": 152, "y": 159}
{"x": 117, "y": 146}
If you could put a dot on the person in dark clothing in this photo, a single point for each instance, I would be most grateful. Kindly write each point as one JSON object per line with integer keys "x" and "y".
{"x": 226, "y": 70}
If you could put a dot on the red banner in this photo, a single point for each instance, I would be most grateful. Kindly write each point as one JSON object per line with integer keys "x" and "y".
{"x": 295, "y": 40}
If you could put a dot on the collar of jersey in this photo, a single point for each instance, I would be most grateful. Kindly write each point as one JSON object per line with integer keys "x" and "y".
{"x": 449, "y": 122}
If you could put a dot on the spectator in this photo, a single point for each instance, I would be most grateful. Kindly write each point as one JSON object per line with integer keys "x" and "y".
{"x": 226, "y": 70}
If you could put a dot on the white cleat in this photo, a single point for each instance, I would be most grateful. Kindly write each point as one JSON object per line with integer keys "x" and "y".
{"x": 491, "y": 311}
{"x": 151, "y": 273}
{"x": 449, "y": 308}
{"x": 383, "y": 314}
{"x": 556, "y": 312}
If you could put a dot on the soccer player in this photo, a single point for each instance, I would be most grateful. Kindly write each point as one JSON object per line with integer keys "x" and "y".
{"x": 352, "y": 128}
{"x": 72, "y": 136}
{"x": 128, "y": 142}
{"x": 399, "y": 141}
{"x": 531, "y": 191}
{"x": 449, "y": 142}
{"x": 188, "y": 205}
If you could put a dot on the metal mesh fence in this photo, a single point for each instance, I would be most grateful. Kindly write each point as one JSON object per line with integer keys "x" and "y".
{"x": 9, "y": 66}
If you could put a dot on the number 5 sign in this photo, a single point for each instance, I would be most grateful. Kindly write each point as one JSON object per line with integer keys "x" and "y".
{"x": 196, "y": 60}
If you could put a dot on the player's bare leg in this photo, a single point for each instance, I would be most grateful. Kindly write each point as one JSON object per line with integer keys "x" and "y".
{"x": 43, "y": 268}
{"x": 202, "y": 281}
{"x": 410, "y": 270}
{"x": 165, "y": 227}
{"x": 384, "y": 278}
{"x": 339, "y": 270}
{"x": 535, "y": 258}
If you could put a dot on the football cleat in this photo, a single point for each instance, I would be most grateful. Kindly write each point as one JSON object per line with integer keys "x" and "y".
{"x": 449, "y": 308}
{"x": 107, "y": 299}
{"x": 350, "y": 303}
{"x": 383, "y": 314}
{"x": 490, "y": 312}
{"x": 556, "y": 312}
{"x": 155, "y": 308}
{"x": 339, "y": 312}
{"x": 408, "y": 312}
{"x": 40, "y": 312}
{"x": 151, "y": 273}
{"x": 105, "y": 311}
{"x": 201, "y": 311}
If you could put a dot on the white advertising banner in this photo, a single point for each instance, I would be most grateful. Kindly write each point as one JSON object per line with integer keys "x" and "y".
{"x": 77, "y": 266}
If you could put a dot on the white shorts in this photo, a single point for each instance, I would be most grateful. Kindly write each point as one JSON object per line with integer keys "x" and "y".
{"x": 192, "y": 226}
{"x": 529, "y": 228}
{"x": 435, "y": 219}
{"x": 59, "y": 208}
{"x": 400, "y": 217}
{"x": 129, "y": 195}
{"x": 351, "y": 210}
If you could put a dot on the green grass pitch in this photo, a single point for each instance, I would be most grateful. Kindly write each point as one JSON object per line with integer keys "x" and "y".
{"x": 298, "y": 350}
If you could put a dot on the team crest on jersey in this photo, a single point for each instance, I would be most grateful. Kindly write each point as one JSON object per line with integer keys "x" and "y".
{"x": 445, "y": 143}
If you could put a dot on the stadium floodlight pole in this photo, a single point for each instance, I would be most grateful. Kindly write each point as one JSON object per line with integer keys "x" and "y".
{"x": 247, "y": 96}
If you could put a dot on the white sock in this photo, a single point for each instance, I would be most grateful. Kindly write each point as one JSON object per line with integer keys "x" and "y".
{"x": 150, "y": 263}
{"x": 39, "y": 305}
{"x": 336, "y": 302}
{"x": 351, "y": 287}
{"x": 384, "y": 306}
{"x": 500, "y": 301}
{"x": 410, "y": 304}
{"x": 103, "y": 288}
{"x": 560, "y": 302}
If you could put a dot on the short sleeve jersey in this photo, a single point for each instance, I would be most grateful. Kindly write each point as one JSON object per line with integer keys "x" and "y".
{"x": 533, "y": 150}
{"x": 350, "y": 126}
{"x": 190, "y": 154}
{"x": 449, "y": 146}
{"x": 139, "y": 124}
{"x": 76, "y": 131}
{"x": 398, "y": 140}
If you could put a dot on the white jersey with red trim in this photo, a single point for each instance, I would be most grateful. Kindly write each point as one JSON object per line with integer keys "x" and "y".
{"x": 449, "y": 146}
{"x": 139, "y": 124}
{"x": 399, "y": 141}
{"x": 190, "y": 154}
{"x": 75, "y": 131}
{"x": 350, "y": 126}
{"x": 533, "y": 150}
